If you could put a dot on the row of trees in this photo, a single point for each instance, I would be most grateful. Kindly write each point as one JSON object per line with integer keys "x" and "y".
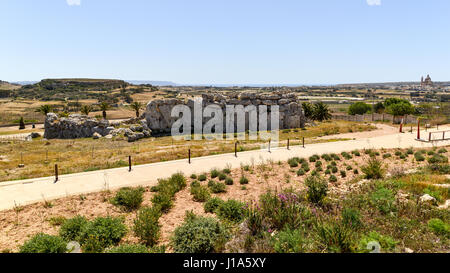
{"x": 393, "y": 106}
{"x": 86, "y": 109}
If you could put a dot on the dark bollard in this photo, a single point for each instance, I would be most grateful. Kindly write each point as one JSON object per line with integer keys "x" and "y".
{"x": 56, "y": 173}
{"x": 129, "y": 163}
{"x": 189, "y": 156}
{"x": 288, "y": 144}
{"x": 235, "y": 149}
{"x": 269, "y": 145}
{"x": 303, "y": 142}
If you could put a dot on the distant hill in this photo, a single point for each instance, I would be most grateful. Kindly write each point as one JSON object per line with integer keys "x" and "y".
{"x": 155, "y": 83}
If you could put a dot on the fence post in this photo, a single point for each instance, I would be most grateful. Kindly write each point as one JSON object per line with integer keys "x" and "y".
{"x": 288, "y": 144}
{"x": 269, "y": 145}
{"x": 129, "y": 163}
{"x": 303, "y": 142}
{"x": 235, "y": 149}
{"x": 418, "y": 128}
{"x": 56, "y": 173}
{"x": 429, "y": 137}
{"x": 189, "y": 156}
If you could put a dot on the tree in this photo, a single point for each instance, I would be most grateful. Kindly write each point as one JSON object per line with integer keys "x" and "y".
{"x": 321, "y": 112}
{"x": 359, "y": 108}
{"x": 308, "y": 109}
{"x": 136, "y": 106}
{"x": 400, "y": 109}
{"x": 44, "y": 109}
{"x": 21, "y": 124}
{"x": 379, "y": 108}
{"x": 104, "y": 106}
{"x": 86, "y": 109}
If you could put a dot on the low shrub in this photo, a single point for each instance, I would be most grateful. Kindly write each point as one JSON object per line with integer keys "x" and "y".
{"x": 199, "y": 235}
{"x": 202, "y": 177}
{"x": 216, "y": 187}
{"x": 44, "y": 243}
{"x": 212, "y": 204}
{"x": 373, "y": 169}
{"x": 163, "y": 201}
{"x": 439, "y": 227}
{"x": 72, "y": 228}
{"x": 128, "y": 248}
{"x": 200, "y": 193}
{"x": 383, "y": 199}
{"x": 193, "y": 176}
{"x": 437, "y": 158}
{"x": 222, "y": 176}
{"x": 146, "y": 225}
{"x": 231, "y": 210}
{"x": 101, "y": 233}
{"x": 301, "y": 172}
{"x": 336, "y": 237}
{"x": 442, "y": 151}
{"x": 351, "y": 217}
{"x": 388, "y": 155}
{"x": 243, "y": 180}
{"x": 419, "y": 157}
{"x": 289, "y": 241}
{"x": 129, "y": 198}
{"x": 343, "y": 174}
{"x": 356, "y": 153}
{"x": 293, "y": 162}
{"x": 333, "y": 179}
{"x": 214, "y": 173}
{"x": 386, "y": 242}
{"x": 317, "y": 189}
{"x": 229, "y": 181}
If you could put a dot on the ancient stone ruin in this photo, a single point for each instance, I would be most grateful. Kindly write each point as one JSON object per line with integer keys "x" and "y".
{"x": 160, "y": 121}
{"x": 81, "y": 126}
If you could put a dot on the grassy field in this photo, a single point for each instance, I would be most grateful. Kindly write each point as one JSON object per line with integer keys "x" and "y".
{"x": 328, "y": 203}
{"x": 79, "y": 155}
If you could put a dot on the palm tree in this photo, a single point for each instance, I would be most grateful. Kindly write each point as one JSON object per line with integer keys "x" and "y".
{"x": 321, "y": 112}
{"x": 308, "y": 109}
{"x": 104, "y": 106}
{"x": 136, "y": 106}
{"x": 44, "y": 109}
{"x": 86, "y": 109}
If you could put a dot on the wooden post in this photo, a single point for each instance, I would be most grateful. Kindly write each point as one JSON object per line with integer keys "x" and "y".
{"x": 235, "y": 149}
{"x": 418, "y": 128}
{"x": 443, "y": 135}
{"x": 269, "y": 145}
{"x": 129, "y": 163}
{"x": 56, "y": 173}
{"x": 303, "y": 142}
{"x": 189, "y": 156}
{"x": 288, "y": 144}
{"x": 429, "y": 137}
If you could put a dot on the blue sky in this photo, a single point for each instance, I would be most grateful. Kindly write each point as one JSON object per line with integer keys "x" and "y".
{"x": 226, "y": 41}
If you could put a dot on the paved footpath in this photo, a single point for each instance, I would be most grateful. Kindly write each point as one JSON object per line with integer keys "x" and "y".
{"x": 37, "y": 190}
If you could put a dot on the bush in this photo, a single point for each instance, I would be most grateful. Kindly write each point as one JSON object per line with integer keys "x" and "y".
{"x": 128, "y": 198}
{"x": 334, "y": 169}
{"x": 351, "y": 218}
{"x": 231, "y": 210}
{"x": 442, "y": 151}
{"x": 301, "y": 172}
{"x": 356, "y": 153}
{"x": 212, "y": 204}
{"x": 222, "y": 176}
{"x": 386, "y": 242}
{"x": 359, "y": 108}
{"x": 333, "y": 179}
{"x": 437, "y": 158}
{"x": 439, "y": 227}
{"x": 101, "y": 233}
{"x": 146, "y": 225}
{"x": 71, "y": 229}
{"x": 373, "y": 169}
{"x": 355, "y": 171}
{"x": 163, "y": 201}
{"x": 43, "y": 243}
{"x": 194, "y": 176}
{"x": 388, "y": 155}
{"x": 243, "y": 180}
{"x": 226, "y": 170}
{"x": 127, "y": 248}
{"x": 200, "y": 193}
{"x": 343, "y": 174}
{"x": 336, "y": 237}
{"x": 199, "y": 235}
{"x": 383, "y": 199}
{"x": 317, "y": 188}
{"x": 289, "y": 241}
{"x": 216, "y": 187}
{"x": 229, "y": 181}
{"x": 293, "y": 162}
{"x": 419, "y": 157}
{"x": 214, "y": 173}
{"x": 202, "y": 177}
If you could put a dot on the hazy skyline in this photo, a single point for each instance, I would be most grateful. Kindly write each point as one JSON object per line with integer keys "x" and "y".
{"x": 226, "y": 42}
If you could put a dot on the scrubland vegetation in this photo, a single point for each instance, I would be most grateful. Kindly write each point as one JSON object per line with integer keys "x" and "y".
{"x": 326, "y": 203}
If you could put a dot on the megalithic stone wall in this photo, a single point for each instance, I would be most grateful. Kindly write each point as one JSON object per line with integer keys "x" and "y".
{"x": 159, "y": 120}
